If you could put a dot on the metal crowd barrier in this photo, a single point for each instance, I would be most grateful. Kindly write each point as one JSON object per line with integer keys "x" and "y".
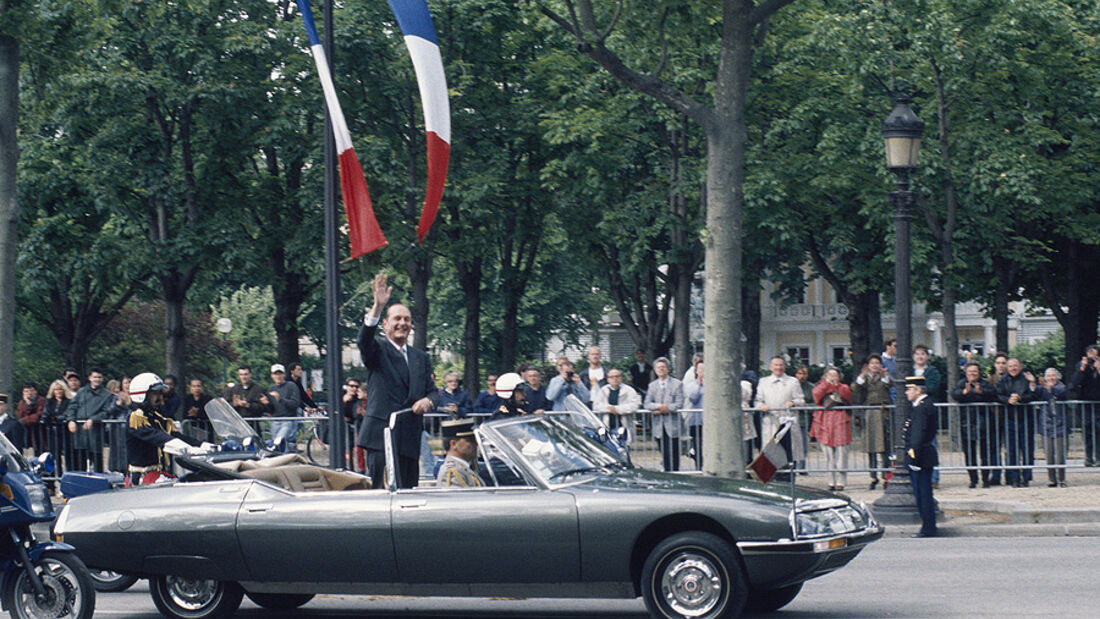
{"x": 986, "y": 441}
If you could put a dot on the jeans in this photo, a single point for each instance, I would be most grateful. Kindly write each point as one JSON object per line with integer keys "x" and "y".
{"x": 287, "y": 431}
{"x": 1019, "y": 446}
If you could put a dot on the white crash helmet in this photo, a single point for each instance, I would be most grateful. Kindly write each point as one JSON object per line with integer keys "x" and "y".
{"x": 506, "y": 384}
{"x": 144, "y": 383}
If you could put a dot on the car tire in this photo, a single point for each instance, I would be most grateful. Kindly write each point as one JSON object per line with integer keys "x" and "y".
{"x": 279, "y": 601}
{"x": 769, "y": 600}
{"x": 694, "y": 574}
{"x": 107, "y": 581}
{"x": 64, "y": 576}
{"x": 195, "y": 598}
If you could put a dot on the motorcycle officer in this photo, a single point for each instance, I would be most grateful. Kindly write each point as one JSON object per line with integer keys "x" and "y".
{"x": 151, "y": 436}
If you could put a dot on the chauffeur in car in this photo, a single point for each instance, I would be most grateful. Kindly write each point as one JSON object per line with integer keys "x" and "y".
{"x": 457, "y": 470}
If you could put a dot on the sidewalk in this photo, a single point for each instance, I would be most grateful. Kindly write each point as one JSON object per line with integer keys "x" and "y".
{"x": 1001, "y": 510}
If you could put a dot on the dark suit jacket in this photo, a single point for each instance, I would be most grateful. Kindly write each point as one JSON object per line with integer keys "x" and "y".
{"x": 392, "y": 385}
{"x": 919, "y": 432}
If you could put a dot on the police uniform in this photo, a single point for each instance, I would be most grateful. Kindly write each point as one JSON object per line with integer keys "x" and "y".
{"x": 457, "y": 472}
{"x": 921, "y": 454}
{"x": 146, "y": 434}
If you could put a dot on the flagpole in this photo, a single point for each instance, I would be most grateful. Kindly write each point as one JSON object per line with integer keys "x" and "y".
{"x": 334, "y": 347}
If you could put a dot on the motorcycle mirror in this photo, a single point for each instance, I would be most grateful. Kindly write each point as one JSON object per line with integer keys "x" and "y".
{"x": 45, "y": 461}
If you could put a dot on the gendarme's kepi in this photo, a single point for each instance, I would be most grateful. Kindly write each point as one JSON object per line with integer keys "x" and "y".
{"x": 457, "y": 428}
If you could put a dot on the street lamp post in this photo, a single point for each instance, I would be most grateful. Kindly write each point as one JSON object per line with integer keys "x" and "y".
{"x": 224, "y": 326}
{"x": 902, "y": 132}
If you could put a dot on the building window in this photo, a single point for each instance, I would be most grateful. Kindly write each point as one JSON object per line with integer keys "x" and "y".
{"x": 840, "y": 355}
{"x": 799, "y": 355}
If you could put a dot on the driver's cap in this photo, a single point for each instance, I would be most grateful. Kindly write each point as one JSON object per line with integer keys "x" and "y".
{"x": 507, "y": 383}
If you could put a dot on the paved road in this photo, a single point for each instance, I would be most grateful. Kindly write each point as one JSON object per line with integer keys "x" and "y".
{"x": 943, "y": 577}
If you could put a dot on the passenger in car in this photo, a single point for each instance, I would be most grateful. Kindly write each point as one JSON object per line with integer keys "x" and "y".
{"x": 461, "y": 442}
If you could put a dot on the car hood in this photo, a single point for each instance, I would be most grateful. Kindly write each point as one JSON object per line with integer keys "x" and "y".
{"x": 641, "y": 480}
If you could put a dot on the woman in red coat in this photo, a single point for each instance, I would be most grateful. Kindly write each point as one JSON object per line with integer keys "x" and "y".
{"x": 832, "y": 427}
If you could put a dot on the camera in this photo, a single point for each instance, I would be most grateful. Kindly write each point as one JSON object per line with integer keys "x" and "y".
{"x": 569, "y": 375}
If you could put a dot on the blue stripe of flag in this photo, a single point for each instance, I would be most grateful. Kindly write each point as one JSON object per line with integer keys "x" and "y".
{"x": 307, "y": 19}
{"x": 414, "y": 18}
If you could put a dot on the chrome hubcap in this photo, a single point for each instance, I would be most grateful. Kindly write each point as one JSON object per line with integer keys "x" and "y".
{"x": 192, "y": 594}
{"x": 691, "y": 584}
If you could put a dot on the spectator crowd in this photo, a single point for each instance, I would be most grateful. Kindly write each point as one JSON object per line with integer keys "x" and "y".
{"x": 1002, "y": 417}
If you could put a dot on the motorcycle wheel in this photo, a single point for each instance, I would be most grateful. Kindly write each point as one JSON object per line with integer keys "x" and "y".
{"x": 279, "y": 601}
{"x": 195, "y": 598}
{"x": 111, "y": 582}
{"x": 69, "y": 589}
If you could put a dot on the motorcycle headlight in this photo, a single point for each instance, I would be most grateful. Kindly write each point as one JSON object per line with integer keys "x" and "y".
{"x": 828, "y": 522}
{"x": 39, "y": 499}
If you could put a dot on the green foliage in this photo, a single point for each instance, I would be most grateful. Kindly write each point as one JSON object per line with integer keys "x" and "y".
{"x": 1049, "y": 352}
{"x": 252, "y": 335}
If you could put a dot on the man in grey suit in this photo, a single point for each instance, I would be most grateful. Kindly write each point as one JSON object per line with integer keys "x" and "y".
{"x": 398, "y": 376}
{"x": 664, "y": 400}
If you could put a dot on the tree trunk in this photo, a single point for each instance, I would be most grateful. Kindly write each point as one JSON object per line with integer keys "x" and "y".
{"x": 9, "y": 203}
{"x": 288, "y": 291}
{"x": 726, "y": 135}
{"x": 469, "y": 276}
{"x": 873, "y": 311}
{"x": 750, "y": 315}
{"x": 508, "y": 335}
{"x": 857, "y": 327}
{"x": 419, "y": 269}
{"x": 1004, "y": 277}
{"x": 1079, "y": 319}
{"x": 681, "y": 320}
{"x": 726, "y": 138}
{"x": 175, "y": 343}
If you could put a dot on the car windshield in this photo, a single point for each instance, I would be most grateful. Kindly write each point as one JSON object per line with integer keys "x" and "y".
{"x": 578, "y": 414}
{"x": 555, "y": 450}
{"x": 227, "y": 422}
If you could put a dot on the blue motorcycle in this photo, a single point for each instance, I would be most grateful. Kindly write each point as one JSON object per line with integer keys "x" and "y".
{"x": 40, "y": 579}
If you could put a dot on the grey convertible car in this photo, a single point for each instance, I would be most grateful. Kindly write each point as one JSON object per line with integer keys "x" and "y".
{"x": 561, "y": 516}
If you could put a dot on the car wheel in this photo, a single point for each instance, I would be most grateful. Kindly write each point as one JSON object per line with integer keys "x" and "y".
{"x": 696, "y": 575}
{"x": 69, "y": 590}
{"x": 111, "y": 582}
{"x": 195, "y": 598}
{"x": 279, "y": 601}
{"x": 771, "y": 599}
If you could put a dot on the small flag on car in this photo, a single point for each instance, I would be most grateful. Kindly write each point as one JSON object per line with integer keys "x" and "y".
{"x": 772, "y": 458}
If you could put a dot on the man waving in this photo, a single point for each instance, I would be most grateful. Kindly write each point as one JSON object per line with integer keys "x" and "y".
{"x": 398, "y": 376}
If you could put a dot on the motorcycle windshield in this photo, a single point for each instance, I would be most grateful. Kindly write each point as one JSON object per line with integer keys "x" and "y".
{"x": 227, "y": 423}
{"x": 13, "y": 459}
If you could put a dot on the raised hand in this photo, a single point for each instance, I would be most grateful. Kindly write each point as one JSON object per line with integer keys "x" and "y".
{"x": 381, "y": 293}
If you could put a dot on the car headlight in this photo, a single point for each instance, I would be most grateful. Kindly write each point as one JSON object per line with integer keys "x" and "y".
{"x": 828, "y": 522}
{"x": 57, "y": 531}
{"x": 39, "y": 498}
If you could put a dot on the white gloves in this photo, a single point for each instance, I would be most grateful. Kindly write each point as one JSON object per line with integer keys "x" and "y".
{"x": 176, "y": 447}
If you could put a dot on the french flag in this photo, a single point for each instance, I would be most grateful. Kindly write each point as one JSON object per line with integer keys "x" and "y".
{"x": 416, "y": 24}
{"x": 363, "y": 230}
{"x": 773, "y": 456}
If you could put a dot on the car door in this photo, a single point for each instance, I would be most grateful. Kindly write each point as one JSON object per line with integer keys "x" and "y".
{"x": 486, "y": 535}
{"x": 317, "y": 536}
